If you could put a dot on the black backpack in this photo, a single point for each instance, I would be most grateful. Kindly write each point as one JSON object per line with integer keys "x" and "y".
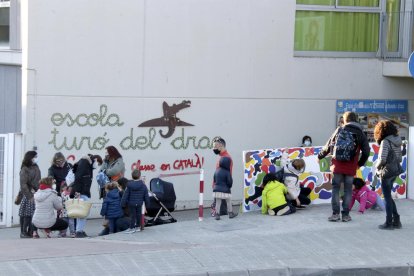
{"x": 345, "y": 145}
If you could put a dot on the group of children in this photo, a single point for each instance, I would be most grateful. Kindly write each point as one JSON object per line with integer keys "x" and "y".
{"x": 116, "y": 199}
{"x": 132, "y": 198}
{"x": 276, "y": 201}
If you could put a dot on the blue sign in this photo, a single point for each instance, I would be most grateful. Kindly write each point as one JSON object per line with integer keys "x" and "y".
{"x": 411, "y": 64}
{"x": 372, "y": 106}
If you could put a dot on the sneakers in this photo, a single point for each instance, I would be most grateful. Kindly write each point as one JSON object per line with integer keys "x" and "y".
{"x": 346, "y": 218}
{"x": 81, "y": 235}
{"x": 73, "y": 235}
{"x": 44, "y": 233}
{"x": 300, "y": 207}
{"x": 271, "y": 212}
{"x": 62, "y": 234}
{"x": 334, "y": 217}
{"x": 283, "y": 211}
{"x": 232, "y": 215}
{"x": 130, "y": 231}
{"x": 24, "y": 236}
{"x": 35, "y": 235}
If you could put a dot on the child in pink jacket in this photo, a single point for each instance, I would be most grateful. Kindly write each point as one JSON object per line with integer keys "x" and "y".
{"x": 366, "y": 198}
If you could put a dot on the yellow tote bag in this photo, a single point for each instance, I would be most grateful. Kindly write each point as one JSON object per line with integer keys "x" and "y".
{"x": 77, "y": 208}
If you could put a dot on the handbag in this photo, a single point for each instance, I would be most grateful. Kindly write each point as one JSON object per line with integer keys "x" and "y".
{"x": 77, "y": 208}
{"x": 70, "y": 178}
{"x": 392, "y": 167}
{"x": 19, "y": 198}
{"x": 116, "y": 177}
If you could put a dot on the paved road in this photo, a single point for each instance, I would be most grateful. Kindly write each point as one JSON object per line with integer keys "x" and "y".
{"x": 304, "y": 243}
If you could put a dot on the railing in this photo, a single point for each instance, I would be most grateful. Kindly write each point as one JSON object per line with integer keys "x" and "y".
{"x": 396, "y": 39}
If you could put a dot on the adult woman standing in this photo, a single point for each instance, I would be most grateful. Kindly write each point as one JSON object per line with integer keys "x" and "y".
{"x": 82, "y": 185}
{"x": 388, "y": 168}
{"x": 29, "y": 183}
{"x": 113, "y": 166}
{"x": 59, "y": 170}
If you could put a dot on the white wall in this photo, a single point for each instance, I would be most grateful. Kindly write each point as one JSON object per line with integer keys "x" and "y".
{"x": 233, "y": 59}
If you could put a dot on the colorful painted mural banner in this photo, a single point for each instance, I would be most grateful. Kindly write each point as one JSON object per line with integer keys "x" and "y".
{"x": 317, "y": 176}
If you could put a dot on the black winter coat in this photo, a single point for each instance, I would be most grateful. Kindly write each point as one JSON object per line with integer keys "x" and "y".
{"x": 222, "y": 177}
{"x": 59, "y": 174}
{"x": 83, "y": 177}
{"x": 135, "y": 194}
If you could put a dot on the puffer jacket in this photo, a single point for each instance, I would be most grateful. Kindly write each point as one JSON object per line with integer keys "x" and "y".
{"x": 111, "y": 206}
{"x": 348, "y": 167}
{"x": 391, "y": 142}
{"x": 292, "y": 181}
{"x": 83, "y": 177}
{"x": 29, "y": 180}
{"x": 59, "y": 174}
{"x": 273, "y": 196}
{"x": 365, "y": 197}
{"x": 135, "y": 194}
{"x": 222, "y": 177}
{"x": 46, "y": 201}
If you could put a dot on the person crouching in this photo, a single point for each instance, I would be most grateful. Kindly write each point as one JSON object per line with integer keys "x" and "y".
{"x": 274, "y": 197}
{"x": 47, "y": 202}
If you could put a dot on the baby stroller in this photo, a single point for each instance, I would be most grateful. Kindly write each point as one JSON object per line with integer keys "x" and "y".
{"x": 162, "y": 203}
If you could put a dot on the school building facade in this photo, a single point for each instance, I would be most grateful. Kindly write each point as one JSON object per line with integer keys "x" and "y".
{"x": 160, "y": 79}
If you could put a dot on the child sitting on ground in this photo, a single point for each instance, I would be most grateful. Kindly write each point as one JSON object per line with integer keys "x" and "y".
{"x": 135, "y": 194}
{"x": 63, "y": 214}
{"x": 365, "y": 197}
{"x": 111, "y": 206}
{"x": 274, "y": 197}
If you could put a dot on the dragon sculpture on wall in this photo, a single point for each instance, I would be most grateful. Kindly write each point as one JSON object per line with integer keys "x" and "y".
{"x": 169, "y": 119}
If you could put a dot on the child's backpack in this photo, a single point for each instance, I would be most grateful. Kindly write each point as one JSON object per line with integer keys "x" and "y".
{"x": 281, "y": 175}
{"x": 345, "y": 145}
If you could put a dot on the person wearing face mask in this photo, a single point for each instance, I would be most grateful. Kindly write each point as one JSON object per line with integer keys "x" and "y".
{"x": 29, "y": 183}
{"x": 306, "y": 141}
{"x": 47, "y": 203}
{"x": 219, "y": 148}
{"x": 59, "y": 170}
{"x": 82, "y": 185}
{"x": 113, "y": 166}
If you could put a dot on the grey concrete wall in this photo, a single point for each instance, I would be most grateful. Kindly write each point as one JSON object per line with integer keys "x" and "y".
{"x": 10, "y": 99}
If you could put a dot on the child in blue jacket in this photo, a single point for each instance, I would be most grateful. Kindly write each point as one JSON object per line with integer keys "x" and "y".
{"x": 223, "y": 182}
{"x": 111, "y": 206}
{"x": 135, "y": 194}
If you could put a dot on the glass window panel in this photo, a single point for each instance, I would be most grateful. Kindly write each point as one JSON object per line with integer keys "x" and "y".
{"x": 359, "y": 3}
{"x": 316, "y": 2}
{"x": 4, "y": 26}
{"x": 393, "y": 25}
{"x": 336, "y": 31}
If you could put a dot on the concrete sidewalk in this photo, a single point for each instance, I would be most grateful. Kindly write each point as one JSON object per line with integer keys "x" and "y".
{"x": 304, "y": 243}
